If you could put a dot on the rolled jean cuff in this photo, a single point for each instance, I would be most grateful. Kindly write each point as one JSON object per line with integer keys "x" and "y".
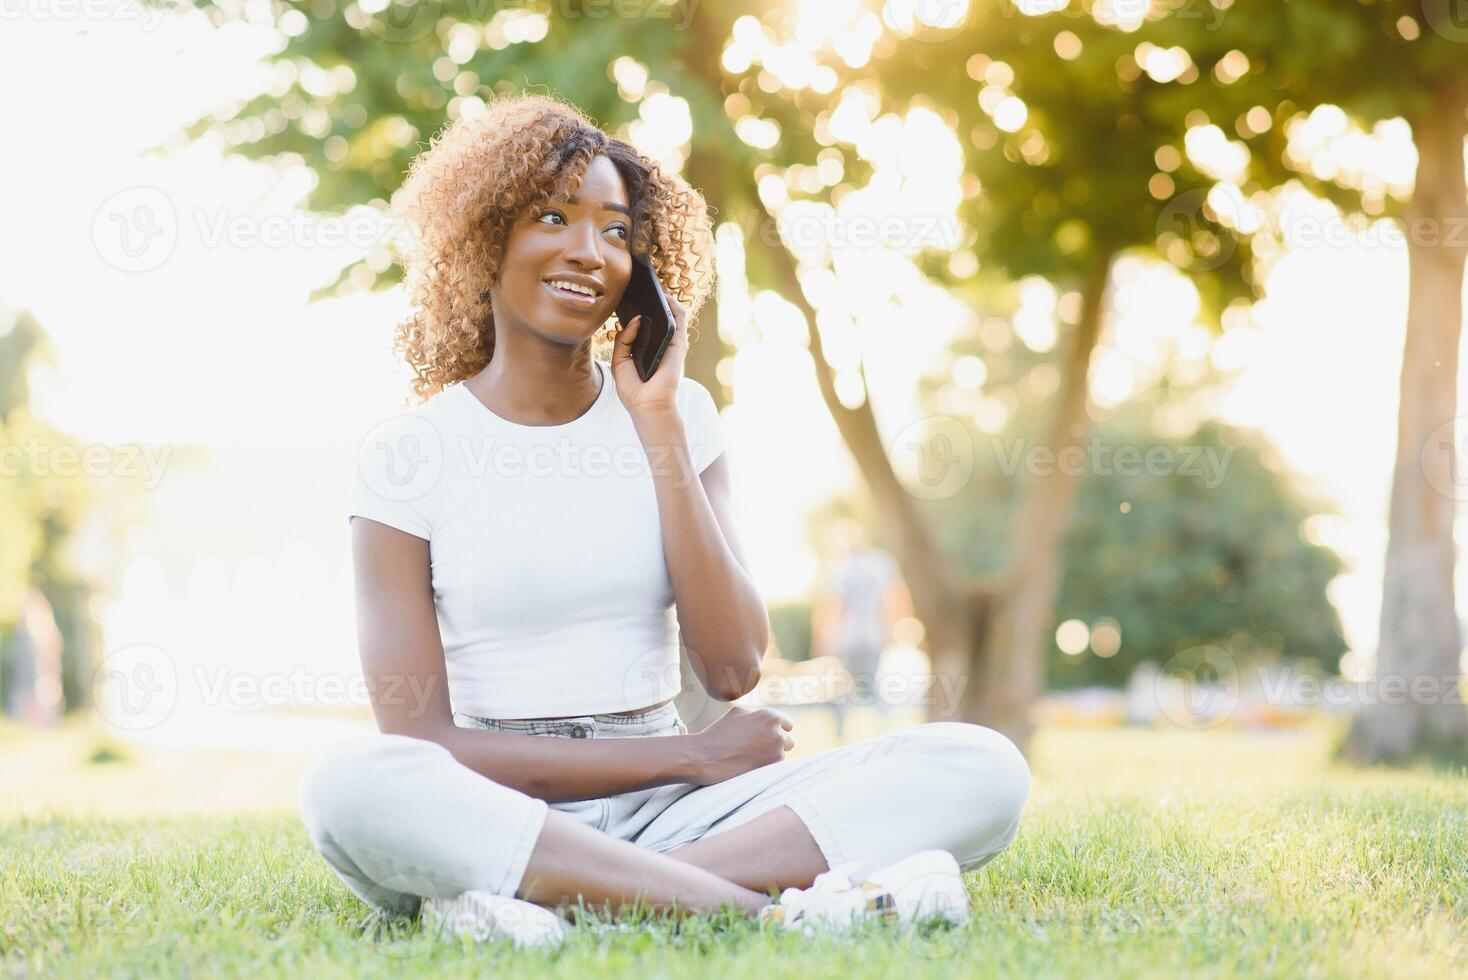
{"x": 819, "y": 829}
{"x": 524, "y": 843}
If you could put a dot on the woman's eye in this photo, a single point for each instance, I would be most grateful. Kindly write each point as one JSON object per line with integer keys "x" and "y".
{"x": 626, "y": 234}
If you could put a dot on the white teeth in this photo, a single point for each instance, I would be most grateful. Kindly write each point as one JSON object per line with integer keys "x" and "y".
{"x": 573, "y": 287}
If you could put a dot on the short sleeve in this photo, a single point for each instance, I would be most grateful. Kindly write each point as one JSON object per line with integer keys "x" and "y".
{"x": 398, "y": 467}
{"x": 702, "y": 422}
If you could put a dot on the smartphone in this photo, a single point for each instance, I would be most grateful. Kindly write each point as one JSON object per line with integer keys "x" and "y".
{"x": 644, "y": 297}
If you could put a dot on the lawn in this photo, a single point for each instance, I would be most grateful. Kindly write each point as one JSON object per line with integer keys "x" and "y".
{"x": 1144, "y": 853}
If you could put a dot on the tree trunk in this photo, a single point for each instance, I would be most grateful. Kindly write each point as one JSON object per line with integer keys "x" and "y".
{"x": 1419, "y": 635}
{"x": 938, "y": 592}
{"x": 965, "y": 621}
{"x": 1009, "y": 662}
{"x": 957, "y": 613}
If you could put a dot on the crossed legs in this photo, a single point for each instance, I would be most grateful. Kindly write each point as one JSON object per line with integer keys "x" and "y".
{"x": 399, "y": 818}
{"x": 566, "y": 852}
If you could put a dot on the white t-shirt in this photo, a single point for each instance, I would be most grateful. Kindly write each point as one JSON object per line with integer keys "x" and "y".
{"x": 549, "y": 580}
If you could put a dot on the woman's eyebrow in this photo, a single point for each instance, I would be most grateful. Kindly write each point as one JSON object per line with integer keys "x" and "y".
{"x": 608, "y": 206}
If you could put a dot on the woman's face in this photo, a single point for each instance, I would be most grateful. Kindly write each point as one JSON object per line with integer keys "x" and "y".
{"x": 584, "y": 239}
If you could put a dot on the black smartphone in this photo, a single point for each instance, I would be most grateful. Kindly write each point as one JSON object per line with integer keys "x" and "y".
{"x": 644, "y": 297}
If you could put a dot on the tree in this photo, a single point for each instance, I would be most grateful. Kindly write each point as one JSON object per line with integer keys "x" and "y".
{"x": 1042, "y": 203}
{"x": 1184, "y": 536}
{"x": 1061, "y": 143}
{"x": 1295, "y": 77}
{"x": 45, "y": 503}
{"x": 357, "y": 94}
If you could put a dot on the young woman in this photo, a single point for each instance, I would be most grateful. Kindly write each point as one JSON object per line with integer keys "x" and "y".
{"x": 530, "y": 543}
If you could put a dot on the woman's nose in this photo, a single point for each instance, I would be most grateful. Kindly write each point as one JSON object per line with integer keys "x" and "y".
{"x": 584, "y": 248}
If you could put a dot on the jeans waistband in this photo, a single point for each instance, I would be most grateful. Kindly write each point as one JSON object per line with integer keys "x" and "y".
{"x": 661, "y": 720}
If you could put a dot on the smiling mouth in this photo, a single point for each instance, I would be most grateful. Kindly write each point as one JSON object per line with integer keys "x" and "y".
{"x": 579, "y": 301}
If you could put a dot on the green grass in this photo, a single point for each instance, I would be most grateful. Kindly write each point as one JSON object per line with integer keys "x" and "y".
{"x": 1143, "y": 854}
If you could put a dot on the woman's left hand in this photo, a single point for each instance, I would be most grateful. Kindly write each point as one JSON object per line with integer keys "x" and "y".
{"x": 658, "y": 395}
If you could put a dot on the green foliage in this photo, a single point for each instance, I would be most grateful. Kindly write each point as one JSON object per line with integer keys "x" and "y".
{"x": 107, "y": 753}
{"x": 790, "y": 627}
{"x": 1078, "y": 184}
{"x": 22, "y": 344}
{"x": 42, "y": 509}
{"x": 1070, "y": 189}
{"x": 1177, "y": 563}
{"x": 1180, "y": 564}
{"x": 1189, "y": 540}
{"x": 356, "y": 96}
{"x": 1376, "y": 60}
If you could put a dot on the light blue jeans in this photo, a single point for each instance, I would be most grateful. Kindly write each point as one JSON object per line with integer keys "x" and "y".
{"x": 400, "y": 818}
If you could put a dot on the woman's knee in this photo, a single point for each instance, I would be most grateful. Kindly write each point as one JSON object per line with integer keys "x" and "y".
{"x": 988, "y": 764}
{"x": 350, "y": 778}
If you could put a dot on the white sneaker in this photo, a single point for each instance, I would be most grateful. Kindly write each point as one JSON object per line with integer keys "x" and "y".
{"x": 914, "y": 889}
{"x": 485, "y": 915}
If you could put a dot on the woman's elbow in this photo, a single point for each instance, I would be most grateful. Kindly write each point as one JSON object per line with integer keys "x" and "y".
{"x": 417, "y": 725}
{"x": 735, "y": 682}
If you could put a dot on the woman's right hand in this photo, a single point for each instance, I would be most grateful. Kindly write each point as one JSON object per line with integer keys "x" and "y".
{"x": 743, "y": 739}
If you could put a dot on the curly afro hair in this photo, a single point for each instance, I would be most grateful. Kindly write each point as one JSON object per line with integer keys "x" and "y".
{"x": 478, "y": 178}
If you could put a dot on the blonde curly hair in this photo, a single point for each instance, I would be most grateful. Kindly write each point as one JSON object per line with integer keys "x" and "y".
{"x": 478, "y": 177}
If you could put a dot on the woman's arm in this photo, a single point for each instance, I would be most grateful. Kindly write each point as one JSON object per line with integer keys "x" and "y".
{"x": 403, "y": 663}
{"x": 725, "y": 626}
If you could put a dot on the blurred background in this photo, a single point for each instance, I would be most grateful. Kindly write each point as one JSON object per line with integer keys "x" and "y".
{"x": 1059, "y": 349}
